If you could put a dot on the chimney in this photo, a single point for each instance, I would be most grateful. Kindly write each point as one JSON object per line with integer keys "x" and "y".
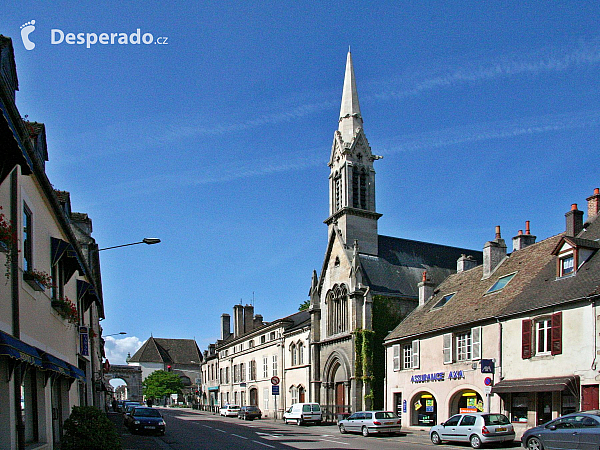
{"x": 425, "y": 289}
{"x": 593, "y": 204}
{"x": 574, "y": 221}
{"x": 493, "y": 254}
{"x": 258, "y": 321}
{"x": 238, "y": 320}
{"x": 520, "y": 241}
{"x": 248, "y": 318}
{"x": 465, "y": 262}
{"x": 225, "y": 326}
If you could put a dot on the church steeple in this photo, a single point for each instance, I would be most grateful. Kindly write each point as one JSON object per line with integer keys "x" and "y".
{"x": 352, "y": 177}
{"x": 350, "y": 118}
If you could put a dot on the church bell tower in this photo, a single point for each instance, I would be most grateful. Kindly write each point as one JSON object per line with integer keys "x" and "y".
{"x": 352, "y": 177}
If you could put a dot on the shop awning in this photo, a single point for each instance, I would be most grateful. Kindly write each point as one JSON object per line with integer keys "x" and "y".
{"x": 77, "y": 373}
{"x": 213, "y": 388}
{"x": 62, "y": 249}
{"x": 87, "y": 293}
{"x": 55, "y": 364}
{"x": 554, "y": 384}
{"x": 15, "y": 348}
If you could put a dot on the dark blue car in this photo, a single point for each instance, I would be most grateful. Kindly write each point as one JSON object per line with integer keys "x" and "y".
{"x": 145, "y": 420}
{"x": 575, "y": 431}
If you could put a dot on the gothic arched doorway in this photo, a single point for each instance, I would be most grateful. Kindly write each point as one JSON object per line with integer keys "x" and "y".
{"x": 253, "y": 397}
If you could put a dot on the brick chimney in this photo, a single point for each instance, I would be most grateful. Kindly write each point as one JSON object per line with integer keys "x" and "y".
{"x": 493, "y": 254}
{"x": 248, "y": 318}
{"x": 465, "y": 262}
{"x": 258, "y": 321}
{"x": 425, "y": 289}
{"x": 593, "y": 204}
{"x": 225, "y": 326}
{"x": 521, "y": 240}
{"x": 238, "y": 320}
{"x": 574, "y": 221}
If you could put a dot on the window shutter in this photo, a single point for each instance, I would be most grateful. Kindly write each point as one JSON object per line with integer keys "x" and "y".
{"x": 526, "y": 326}
{"x": 396, "y": 359}
{"x": 476, "y": 343}
{"x": 415, "y": 359}
{"x": 448, "y": 348}
{"x": 556, "y": 335}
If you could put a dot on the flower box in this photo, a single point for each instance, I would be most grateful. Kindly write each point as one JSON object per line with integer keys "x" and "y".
{"x": 34, "y": 282}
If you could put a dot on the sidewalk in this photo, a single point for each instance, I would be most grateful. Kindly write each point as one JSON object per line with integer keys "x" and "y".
{"x": 134, "y": 441}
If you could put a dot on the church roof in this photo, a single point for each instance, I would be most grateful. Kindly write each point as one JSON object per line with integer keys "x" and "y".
{"x": 400, "y": 264}
{"x": 350, "y": 117}
{"x": 175, "y": 351}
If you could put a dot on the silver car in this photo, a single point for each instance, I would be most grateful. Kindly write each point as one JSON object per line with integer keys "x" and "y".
{"x": 367, "y": 422}
{"x": 476, "y": 428}
{"x": 575, "y": 431}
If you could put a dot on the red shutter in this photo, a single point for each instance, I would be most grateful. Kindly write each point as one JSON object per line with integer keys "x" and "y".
{"x": 556, "y": 335}
{"x": 526, "y": 339}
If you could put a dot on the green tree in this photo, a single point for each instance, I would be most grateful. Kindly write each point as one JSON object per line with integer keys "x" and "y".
{"x": 88, "y": 427}
{"x": 304, "y": 305}
{"x": 162, "y": 384}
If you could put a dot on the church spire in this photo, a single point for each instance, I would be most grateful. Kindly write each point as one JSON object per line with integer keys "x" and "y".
{"x": 350, "y": 118}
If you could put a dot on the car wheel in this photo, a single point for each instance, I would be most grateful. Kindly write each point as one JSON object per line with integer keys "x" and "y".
{"x": 298, "y": 422}
{"x": 534, "y": 444}
{"x": 475, "y": 441}
{"x": 435, "y": 438}
{"x": 365, "y": 431}
{"x": 342, "y": 429}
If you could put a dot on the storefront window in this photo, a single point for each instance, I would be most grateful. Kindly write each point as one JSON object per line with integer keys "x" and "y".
{"x": 568, "y": 403}
{"x": 466, "y": 402}
{"x": 424, "y": 410}
{"x": 519, "y": 407}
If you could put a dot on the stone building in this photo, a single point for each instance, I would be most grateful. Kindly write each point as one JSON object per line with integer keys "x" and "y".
{"x": 368, "y": 282}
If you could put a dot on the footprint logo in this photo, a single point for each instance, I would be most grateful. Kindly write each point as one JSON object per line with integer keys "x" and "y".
{"x": 26, "y": 30}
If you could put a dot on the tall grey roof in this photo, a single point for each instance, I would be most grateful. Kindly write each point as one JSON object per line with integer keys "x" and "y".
{"x": 400, "y": 264}
{"x": 176, "y": 351}
{"x": 350, "y": 118}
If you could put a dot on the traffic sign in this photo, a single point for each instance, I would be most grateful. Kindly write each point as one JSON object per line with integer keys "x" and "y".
{"x": 487, "y": 381}
{"x": 275, "y": 389}
{"x": 275, "y": 381}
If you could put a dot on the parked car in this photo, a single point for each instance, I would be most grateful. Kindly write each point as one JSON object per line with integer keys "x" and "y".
{"x": 249, "y": 413}
{"x": 229, "y": 410}
{"x": 301, "y": 413}
{"x": 144, "y": 419}
{"x": 367, "y": 422}
{"x": 475, "y": 428}
{"x": 127, "y": 406}
{"x": 575, "y": 431}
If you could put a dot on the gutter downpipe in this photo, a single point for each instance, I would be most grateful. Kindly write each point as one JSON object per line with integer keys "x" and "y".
{"x": 500, "y": 375}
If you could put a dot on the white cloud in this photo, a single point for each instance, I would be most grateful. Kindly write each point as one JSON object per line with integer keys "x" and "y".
{"x": 117, "y": 349}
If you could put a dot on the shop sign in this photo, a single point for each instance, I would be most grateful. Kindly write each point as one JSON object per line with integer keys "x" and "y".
{"x": 487, "y": 366}
{"x": 404, "y": 406}
{"x": 437, "y": 376}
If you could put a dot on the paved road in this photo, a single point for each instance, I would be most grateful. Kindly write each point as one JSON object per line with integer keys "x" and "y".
{"x": 190, "y": 430}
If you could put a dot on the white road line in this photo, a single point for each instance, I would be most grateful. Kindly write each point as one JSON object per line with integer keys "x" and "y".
{"x": 262, "y": 443}
{"x": 335, "y": 442}
{"x": 222, "y": 431}
{"x": 207, "y": 426}
{"x": 237, "y": 435}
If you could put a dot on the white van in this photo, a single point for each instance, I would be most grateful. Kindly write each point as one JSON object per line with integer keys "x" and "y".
{"x": 301, "y": 413}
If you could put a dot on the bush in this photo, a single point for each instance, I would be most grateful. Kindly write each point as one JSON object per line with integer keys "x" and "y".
{"x": 89, "y": 428}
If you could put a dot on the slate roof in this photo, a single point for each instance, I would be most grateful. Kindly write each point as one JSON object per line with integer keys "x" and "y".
{"x": 534, "y": 286}
{"x": 471, "y": 302}
{"x": 175, "y": 351}
{"x": 401, "y": 262}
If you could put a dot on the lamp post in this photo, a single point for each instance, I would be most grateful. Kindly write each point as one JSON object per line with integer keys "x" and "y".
{"x": 148, "y": 241}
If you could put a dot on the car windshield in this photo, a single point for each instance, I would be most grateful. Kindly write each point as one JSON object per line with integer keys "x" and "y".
{"x": 233, "y": 407}
{"x": 496, "y": 419}
{"x": 146, "y": 413}
{"x": 385, "y": 415}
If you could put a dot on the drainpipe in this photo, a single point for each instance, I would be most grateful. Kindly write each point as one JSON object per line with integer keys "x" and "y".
{"x": 594, "y": 320}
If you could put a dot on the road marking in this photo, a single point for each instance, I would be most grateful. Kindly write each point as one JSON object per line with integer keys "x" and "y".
{"x": 262, "y": 443}
{"x": 335, "y": 442}
{"x": 222, "y": 431}
{"x": 207, "y": 426}
{"x": 237, "y": 435}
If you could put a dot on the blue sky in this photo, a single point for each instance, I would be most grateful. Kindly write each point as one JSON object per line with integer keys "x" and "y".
{"x": 486, "y": 113}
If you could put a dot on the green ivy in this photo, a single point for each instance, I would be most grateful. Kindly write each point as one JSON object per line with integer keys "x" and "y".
{"x": 358, "y": 344}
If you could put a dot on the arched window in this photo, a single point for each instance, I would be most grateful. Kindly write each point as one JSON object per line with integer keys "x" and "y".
{"x": 337, "y": 310}
{"x": 363, "y": 189}
{"x": 294, "y": 393}
{"x": 294, "y": 355}
{"x": 337, "y": 180}
{"x": 355, "y": 181}
{"x": 300, "y": 353}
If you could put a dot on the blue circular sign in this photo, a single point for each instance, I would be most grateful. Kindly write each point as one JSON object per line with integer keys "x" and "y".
{"x": 488, "y": 381}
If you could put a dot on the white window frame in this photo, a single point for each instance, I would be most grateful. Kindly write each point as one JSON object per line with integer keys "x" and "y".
{"x": 300, "y": 353}
{"x": 396, "y": 357}
{"x": 406, "y": 356}
{"x": 447, "y": 348}
{"x": 543, "y": 331}
{"x": 464, "y": 349}
{"x": 274, "y": 365}
{"x": 416, "y": 354}
{"x": 265, "y": 367}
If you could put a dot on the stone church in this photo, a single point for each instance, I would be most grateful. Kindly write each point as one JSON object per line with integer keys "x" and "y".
{"x": 368, "y": 282}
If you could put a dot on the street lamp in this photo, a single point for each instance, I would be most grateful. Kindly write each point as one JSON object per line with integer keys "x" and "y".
{"x": 148, "y": 241}
{"x": 114, "y": 334}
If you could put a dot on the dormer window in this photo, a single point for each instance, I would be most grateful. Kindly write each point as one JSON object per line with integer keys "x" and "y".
{"x": 572, "y": 253}
{"x": 566, "y": 265}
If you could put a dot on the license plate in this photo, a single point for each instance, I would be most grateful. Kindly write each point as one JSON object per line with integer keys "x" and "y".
{"x": 389, "y": 423}
{"x": 501, "y": 429}
{"x": 149, "y": 428}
